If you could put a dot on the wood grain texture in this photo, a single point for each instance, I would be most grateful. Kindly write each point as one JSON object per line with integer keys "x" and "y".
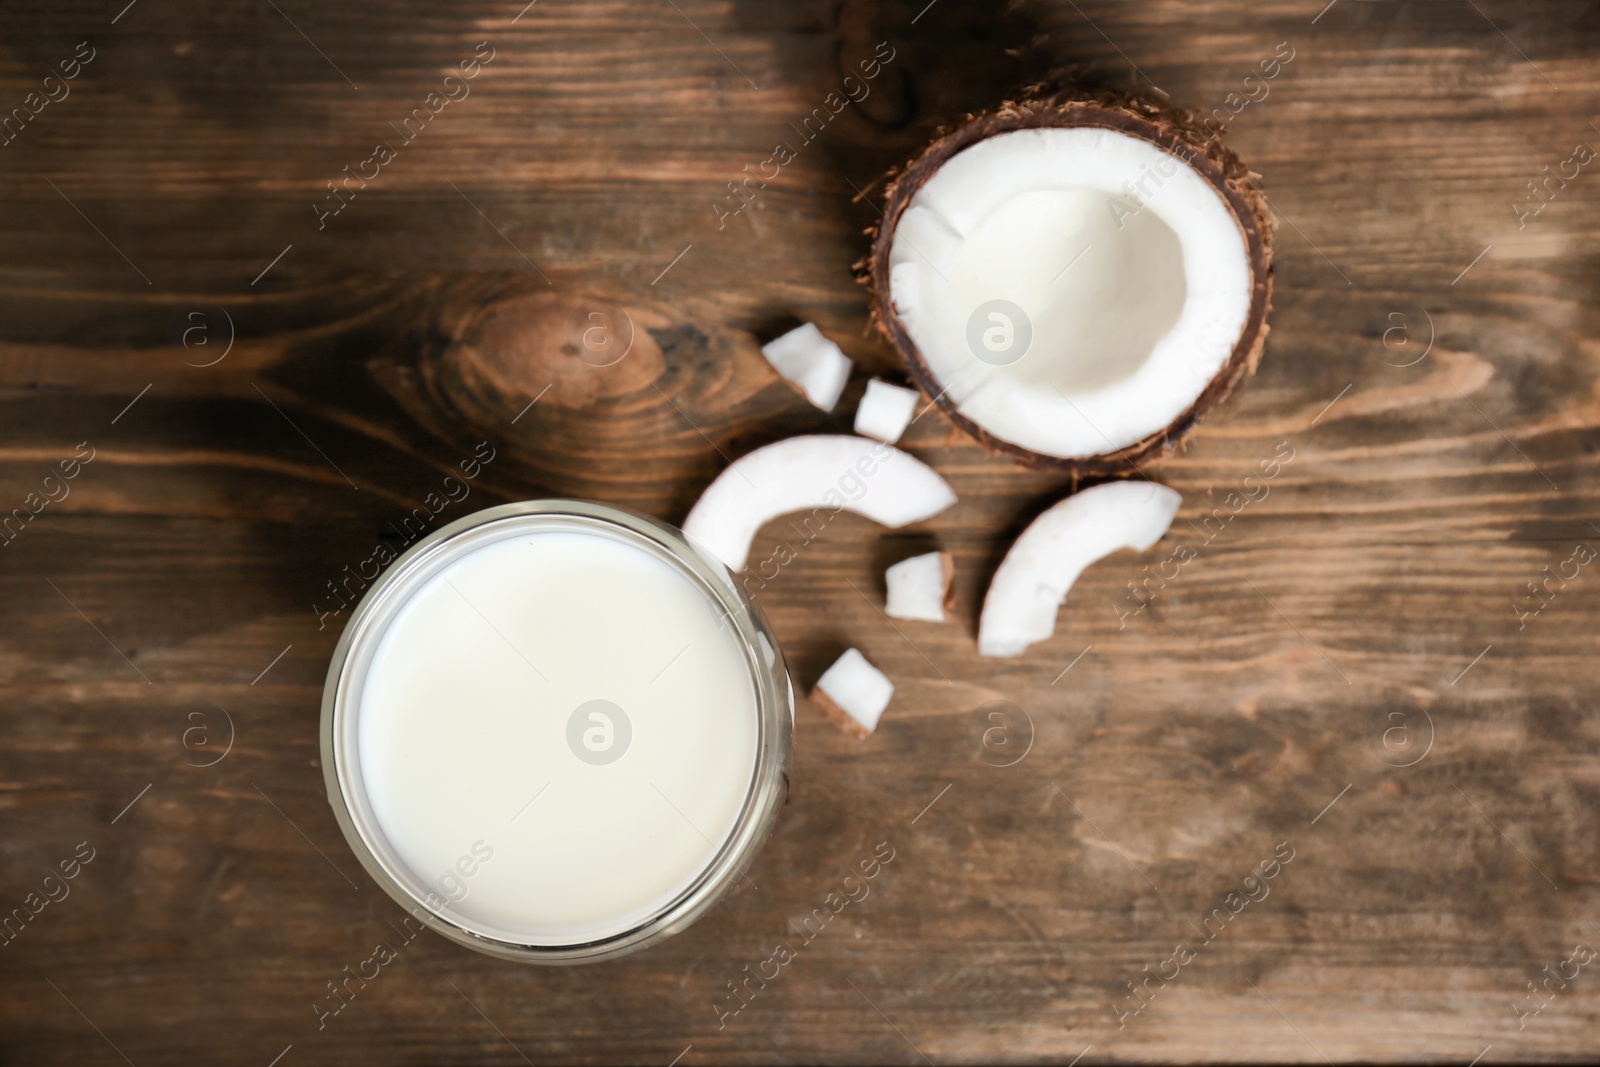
{"x": 1374, "y": 587}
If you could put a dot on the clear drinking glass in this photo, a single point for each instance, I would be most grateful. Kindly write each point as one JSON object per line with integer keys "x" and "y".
{"x": 768, "y": 678}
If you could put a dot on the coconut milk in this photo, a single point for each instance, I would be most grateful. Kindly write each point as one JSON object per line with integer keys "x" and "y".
{"x": 552, "y": 731}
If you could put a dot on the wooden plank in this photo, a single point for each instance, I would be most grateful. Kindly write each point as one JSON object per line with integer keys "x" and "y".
{"x": 1253, "y": 703}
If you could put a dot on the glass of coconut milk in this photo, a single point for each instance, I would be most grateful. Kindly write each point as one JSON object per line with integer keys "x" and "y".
{"x": 555, "y": 733}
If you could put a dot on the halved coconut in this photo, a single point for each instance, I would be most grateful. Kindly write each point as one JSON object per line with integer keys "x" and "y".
{"x": 823, "y": 472}
{"x": 1075, "y": 282}
{"x": 811, "y": 363}
{"x": 919, "y": 588}
{"x": 852, "y": 694}
{"x": 1033, "y": 579}
{"x": 885, "y": 410}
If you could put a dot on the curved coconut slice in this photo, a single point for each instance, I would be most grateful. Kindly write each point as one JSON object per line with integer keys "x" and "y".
{"x": 825, "y": 473}
{"x": 919, "y": 587}
{"x": 812, "y": 363}
{"x": 1033, "y": 579}
{"x": 885, "y": 410}
{"x": 1076, "y": 283}
{"x": 852, "y": 694}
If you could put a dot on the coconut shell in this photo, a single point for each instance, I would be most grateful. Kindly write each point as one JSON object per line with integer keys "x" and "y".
{"x": 947, "y": 571}
{"x": 1175, "y": 132}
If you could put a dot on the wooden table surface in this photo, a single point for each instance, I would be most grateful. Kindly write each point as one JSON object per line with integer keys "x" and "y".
{"x": 1383, "y": 666}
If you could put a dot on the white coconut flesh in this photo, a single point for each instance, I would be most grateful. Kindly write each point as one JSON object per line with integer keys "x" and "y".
{"x": 885, "y": 410}
{"x": 857, "y": 688}
{"x": 812, "y": 363}
{"x": 821, "y": 474}
{"x": 917, "y": 587}
{"x": 1033, "y": 579}
{"x": 1129, "y": 270}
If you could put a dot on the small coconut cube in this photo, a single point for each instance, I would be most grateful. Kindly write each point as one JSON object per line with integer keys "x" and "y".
{"x": 885, "y": 411}
{"x": 812, "y": 363}
{"x": 919, "y": 587}
{"x": 852, "y": 694}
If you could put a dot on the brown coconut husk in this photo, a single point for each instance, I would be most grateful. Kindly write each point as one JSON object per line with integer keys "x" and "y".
{"x": 843, "y": 720}
{"x": 947, "y": 571}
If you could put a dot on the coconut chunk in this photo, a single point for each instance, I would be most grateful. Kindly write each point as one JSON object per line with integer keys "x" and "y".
{"x": 885, "y": 410}
{"x": 823, "y": 474}
{"x": 852, "y": 694}
{"x": 1033, "y": 579}
{"x": 812, "y": 363}
{"x": 920, "y": 587}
